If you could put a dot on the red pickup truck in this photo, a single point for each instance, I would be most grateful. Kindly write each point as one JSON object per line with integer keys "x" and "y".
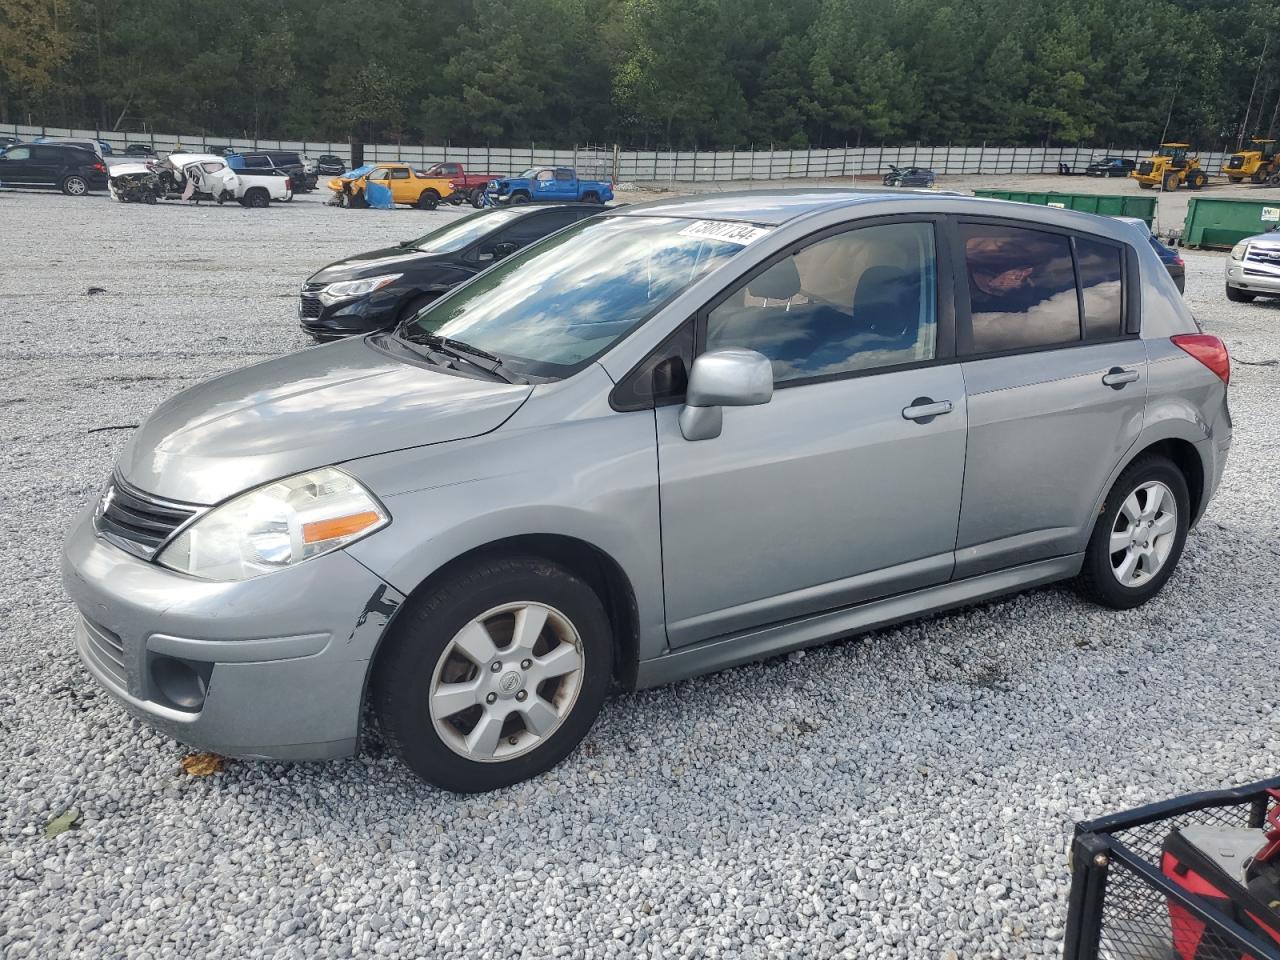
{"x": 469, "y": 186}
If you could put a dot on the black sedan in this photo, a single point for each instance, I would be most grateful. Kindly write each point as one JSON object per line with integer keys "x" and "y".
{"x": 379, "y": 289}
{"x": 1110, "y": 167}
{"x": 909, "y": 177}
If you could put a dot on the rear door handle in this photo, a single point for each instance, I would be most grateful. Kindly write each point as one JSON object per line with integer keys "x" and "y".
{"x": 1117, "y": 377}
{"x": 924, "y": 409}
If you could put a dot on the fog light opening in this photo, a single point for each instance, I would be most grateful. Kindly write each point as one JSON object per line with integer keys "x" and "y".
{"x": 183, "y": 683}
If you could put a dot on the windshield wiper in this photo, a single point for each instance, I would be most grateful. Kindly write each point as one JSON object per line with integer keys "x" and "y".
{"x": 459, "y": 350}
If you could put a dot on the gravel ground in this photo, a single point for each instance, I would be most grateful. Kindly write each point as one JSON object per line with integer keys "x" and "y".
{"x": 905, "y": 794}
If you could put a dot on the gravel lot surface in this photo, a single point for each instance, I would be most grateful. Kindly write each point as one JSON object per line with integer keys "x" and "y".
{"x": 905, "y": 794}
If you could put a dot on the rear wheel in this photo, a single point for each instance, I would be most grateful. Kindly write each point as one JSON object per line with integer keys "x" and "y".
{"x": 257, "y": 197}
{"x": 591, "y": 197}
{"x": 1235, "y": 295}
{"x": 1139, "y": 536}
{"x": 1238, "y": 179}
{"x": 495, "y": 675}
{"x": 74, "y": 185}
{"x": 1197, "y": 179}
{"x": 1145, "y": 186}
{"x": 428, "y": 200}
{"x": 1258, "y": 177}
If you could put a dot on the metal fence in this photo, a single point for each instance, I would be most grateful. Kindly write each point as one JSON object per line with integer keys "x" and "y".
{"x": 659, "y": 166}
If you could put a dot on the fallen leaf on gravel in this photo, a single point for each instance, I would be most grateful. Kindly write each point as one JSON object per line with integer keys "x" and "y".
{"x": 92, "y": 290}
{"x": 67, "y": 820}
{"x": 202, "y": 764}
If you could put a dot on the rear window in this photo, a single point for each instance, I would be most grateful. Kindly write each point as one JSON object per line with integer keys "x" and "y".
{"x": 1102, "y": 288}
{"x": 1022, "y": 288}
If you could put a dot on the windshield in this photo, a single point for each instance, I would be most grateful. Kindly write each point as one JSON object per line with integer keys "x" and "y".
{"x": 464, "y": 232}
{"x": 556, "y": 306}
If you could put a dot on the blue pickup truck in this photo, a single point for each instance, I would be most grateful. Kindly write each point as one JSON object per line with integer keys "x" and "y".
{"x": 547, "y": 183}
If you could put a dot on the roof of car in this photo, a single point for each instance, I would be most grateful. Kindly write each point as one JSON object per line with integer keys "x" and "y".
{"x": 771, "y": 207}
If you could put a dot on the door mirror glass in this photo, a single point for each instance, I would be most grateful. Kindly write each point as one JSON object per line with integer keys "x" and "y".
{"x": 723, "y": 378}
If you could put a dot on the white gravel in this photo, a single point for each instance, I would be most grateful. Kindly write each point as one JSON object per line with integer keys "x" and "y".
{"x": 906, "y": 794}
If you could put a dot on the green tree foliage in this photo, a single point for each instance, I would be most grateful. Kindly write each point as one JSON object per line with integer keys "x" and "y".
{"x": 679, "y": 73}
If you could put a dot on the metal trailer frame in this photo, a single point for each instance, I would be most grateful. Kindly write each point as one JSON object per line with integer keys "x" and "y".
{"x": 1116, "y": 881}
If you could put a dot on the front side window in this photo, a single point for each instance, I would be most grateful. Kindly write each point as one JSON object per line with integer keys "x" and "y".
{"x": 855, "y": 301}
{"x": 545, "y": 174}
{"x": 380, "y": 174}
{"x": 1102, "y": 288}
{"x": 1022, "y": 288}
{"x": 551, "y": 309}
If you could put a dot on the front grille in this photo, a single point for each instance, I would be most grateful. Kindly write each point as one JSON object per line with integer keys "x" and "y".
{"x": 310, "y": 306}
{"x": 137, "y": 521}
{"x": 1146, "y": 167}
{"x": 106, "y": 651}
{"x": 1262, "y": 261}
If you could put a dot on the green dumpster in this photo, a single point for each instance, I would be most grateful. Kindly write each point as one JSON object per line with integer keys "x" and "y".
{"x": 1218, "y": 222}
{"x": 1120, "y": 205}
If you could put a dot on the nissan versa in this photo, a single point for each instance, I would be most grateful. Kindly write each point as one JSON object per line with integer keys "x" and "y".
{"x": 674, "y": 437}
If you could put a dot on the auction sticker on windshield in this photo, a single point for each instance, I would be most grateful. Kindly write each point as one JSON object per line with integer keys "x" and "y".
{"x": 740, "y": 233}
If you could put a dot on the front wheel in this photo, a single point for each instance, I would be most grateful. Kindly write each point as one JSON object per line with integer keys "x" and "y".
{"x": 477, "y": 197}
{"x": 495, "y": 675}
{"x": 1139, "y": 537}
{"x": 1170, "y": 181}
{"x": 74, "y": 186}
{"x": 1236, "y": 295}
{"x": 518, "y": 198}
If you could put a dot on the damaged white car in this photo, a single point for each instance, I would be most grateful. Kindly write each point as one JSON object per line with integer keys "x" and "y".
{"x": 134, "y": 182}
{"x": 203, "y": 176}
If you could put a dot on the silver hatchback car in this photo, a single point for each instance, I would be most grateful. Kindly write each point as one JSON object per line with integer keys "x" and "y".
{"x": 674, "y": 437}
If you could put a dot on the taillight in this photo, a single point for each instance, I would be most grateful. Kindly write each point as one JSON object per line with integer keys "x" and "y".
{"x": 1177, "y": 259}
{"x": 100, "y": 167}
{"x": 1209, "y": 350}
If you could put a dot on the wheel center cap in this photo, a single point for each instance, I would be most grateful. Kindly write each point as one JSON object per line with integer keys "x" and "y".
{"x": 509, "y": 682}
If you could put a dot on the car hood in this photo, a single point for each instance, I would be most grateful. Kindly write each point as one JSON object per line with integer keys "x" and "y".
{"x": 371, "y": 264}
{"x": 308, "y": 409}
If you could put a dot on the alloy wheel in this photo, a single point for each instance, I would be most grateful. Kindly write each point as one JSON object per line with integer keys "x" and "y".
{"x": 506, "y": 681}
{"x": 1143, "y": 534}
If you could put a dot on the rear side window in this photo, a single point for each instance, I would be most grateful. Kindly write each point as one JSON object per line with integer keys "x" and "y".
{"x": 564, "y": 174}
{"x": 1101, "y": 287}
{"x": 1022, "y": 288}
{"x": 18, "y": 153}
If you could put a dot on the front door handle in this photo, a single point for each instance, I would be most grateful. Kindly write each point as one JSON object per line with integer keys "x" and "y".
{"x": 1117, "y": 377}
{"x": 924, "y": 409}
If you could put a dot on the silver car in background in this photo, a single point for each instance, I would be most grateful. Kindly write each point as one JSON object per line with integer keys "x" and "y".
{"x": 671, "y": 438}
{"x": 1253, "y": 269}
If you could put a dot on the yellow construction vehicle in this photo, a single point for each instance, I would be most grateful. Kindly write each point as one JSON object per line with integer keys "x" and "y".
{"x": 1169, "y": 168}
{"x": 1258, "y": 165}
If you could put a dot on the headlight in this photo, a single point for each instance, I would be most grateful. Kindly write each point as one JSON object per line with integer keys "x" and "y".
{"x": 275, "y": 526}
{"x": 347, "y": 289}
{"x": 1237, "y": 252}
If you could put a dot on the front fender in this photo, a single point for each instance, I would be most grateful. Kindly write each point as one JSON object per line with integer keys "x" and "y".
{"x": 591, "y": 476}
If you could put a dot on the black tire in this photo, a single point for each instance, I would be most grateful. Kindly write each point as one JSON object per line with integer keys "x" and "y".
{"x": 1235, "y": 295}
{"x": 1170, "y": 181}
{"x": 518, "y": 198}
{"x": 591, "y": 197}
{"x": 429, "y": 200}
{"x": 1146, "y": 186}
{"x": 257, "y": 197}
{"x": 1238, "y": 179}
{"x": 422, "y": 633}
{"x": 74, "y": 185}
{"x": 414, "y": 305}
{"x": 356, "y": 201}
{"x": 1097, "y": 581}
{"x": 1197, "y": 179}
{"x": 477, "y": 197}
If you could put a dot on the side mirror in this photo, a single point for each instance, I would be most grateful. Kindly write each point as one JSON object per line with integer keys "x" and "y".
{"x": 723, "y": 378}
{"x": 501, "y": 250}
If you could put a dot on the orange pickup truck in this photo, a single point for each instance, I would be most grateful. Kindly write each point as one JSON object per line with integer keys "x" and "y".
{"x": 407, "y": 185}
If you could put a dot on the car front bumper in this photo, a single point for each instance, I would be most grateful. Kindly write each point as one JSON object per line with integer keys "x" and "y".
{"x": 1251, "y": 280}
{"x": 272, "y": 667}
{"x": 348, "y": 318}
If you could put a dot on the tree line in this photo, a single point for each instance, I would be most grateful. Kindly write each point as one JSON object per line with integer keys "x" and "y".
{"x": 657, "y": 73}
